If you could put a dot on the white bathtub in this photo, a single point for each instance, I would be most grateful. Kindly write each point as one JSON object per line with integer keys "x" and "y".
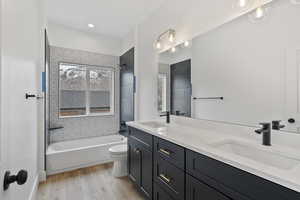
{"x": 70, "y": 155}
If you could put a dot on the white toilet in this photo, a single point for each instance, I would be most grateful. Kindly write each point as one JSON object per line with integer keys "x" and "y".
{"x": 119, "y": 156}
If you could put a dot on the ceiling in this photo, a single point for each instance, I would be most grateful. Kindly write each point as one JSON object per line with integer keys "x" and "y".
{"x": 111, "y": 17}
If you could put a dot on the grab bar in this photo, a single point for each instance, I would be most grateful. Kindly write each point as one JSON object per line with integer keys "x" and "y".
{"x": 55, "y": 128}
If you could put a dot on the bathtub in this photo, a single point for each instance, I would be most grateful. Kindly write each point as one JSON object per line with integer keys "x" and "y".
{"x": 75, "y": 154}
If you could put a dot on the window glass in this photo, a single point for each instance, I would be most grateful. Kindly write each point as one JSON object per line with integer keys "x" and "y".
{"x": 100, "y": 93}
{"x": 85, "y": 90}
{"x": 162, "y": 92}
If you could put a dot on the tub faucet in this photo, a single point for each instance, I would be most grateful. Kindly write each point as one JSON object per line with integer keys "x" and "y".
{"x": 266, "y": 131}
{"x": 167, "y": 117}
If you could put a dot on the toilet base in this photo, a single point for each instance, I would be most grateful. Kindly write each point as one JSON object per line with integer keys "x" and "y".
{"x": 120, "y": 168}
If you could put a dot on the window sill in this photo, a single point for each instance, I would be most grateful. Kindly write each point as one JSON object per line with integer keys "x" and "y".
{"x": 90, "y": 115}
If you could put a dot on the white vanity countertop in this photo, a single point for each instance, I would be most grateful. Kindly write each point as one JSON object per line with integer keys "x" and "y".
{"x": 202, "y": 139}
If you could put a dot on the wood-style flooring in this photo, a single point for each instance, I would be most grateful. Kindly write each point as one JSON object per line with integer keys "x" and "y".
{"x": 93, "y": 183}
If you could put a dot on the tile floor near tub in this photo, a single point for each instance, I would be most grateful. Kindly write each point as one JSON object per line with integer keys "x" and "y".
{"x": 94, "y": 183}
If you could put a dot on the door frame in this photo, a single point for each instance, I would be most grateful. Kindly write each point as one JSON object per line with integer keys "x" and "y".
{"x": 171, "y": 82}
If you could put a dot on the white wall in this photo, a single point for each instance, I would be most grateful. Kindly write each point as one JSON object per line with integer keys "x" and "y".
{"x": 189, "y": 20}
{"x": 246, "y": 63}
{"x": 66, "y": 37}
{"x": 128, "y": 42}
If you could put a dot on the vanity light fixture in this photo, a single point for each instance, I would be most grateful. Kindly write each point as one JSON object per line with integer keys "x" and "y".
{"x": 169, "y": 35}
{"x": 91, "y": 25}
{"x": 259, "y": 13}
{"x": 158, "y": 44}
{"x": 242, "y": 3}
{"x": 173, "y": 49}
{"x": 186, "y": 43}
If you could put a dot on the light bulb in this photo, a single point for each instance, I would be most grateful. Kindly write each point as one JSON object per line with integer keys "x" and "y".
{"x": 91, "y": 25}
{"x": 186, "y": 43}
{"x": 158, "y": 45}
{"x": 259, "y": 12}
{"x": 173, "y": 49}
{"x": 242, "y": 3}
{"x": 171, "y": 36}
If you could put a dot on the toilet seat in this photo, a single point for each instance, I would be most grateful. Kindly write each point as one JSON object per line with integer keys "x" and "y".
{"x": 118, "y": 149}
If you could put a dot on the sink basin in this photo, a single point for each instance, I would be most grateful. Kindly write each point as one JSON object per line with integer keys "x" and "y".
{"x": 154, "y": 124}
{"x": 265, "y": 157}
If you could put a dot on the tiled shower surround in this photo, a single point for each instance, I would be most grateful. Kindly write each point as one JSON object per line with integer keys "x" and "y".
{"x": 87, "y": 126}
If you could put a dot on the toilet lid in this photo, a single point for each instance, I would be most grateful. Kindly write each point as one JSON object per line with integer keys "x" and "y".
{"x": 118, "y": 149}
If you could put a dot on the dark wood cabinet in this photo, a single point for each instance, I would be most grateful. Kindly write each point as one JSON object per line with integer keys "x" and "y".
{"x": 196, "y": 190}
{"x": 169, "y": 151}
{"x": 162, "y": 170}
{"x": 140, "y": 162}
{"x": 146, "y": 172}
{"x": 160, "y": 194}
{"x": 169, "y": 177}
{"x": 134, "y": 162}
{"x": 230, "y": 179}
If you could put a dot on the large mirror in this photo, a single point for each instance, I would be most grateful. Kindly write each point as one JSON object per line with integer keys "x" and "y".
{"x": 174, "y": 81}
{"x": 243, "y": 72}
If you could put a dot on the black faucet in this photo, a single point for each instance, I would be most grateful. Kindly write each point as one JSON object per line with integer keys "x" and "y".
{"x": 266, "y": 131}
{"x": 167, "y": 117}
{"x": 276, "y": 125}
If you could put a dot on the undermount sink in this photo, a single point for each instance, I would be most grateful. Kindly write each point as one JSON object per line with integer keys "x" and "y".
{"x": 154, "y": 124}
{"x": 265, "y": 157}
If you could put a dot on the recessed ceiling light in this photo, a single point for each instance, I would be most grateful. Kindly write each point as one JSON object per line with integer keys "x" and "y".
{"x": 91, "y": 25}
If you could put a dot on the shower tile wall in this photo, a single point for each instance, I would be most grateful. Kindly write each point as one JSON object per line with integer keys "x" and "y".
{"x": 80, "y": 127}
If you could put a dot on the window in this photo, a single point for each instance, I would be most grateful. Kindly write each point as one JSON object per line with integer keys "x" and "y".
{"x": 85, "y": 90}
{"x": 162, "y": 92}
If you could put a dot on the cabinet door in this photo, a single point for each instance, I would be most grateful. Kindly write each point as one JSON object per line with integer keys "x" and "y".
{"x": 134, "y": 162}
{"x": 196, "y": 190}
{"x": 146, "y": 172}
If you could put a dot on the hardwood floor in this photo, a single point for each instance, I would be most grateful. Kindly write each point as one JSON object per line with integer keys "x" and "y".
{"x": 94, "y": 183}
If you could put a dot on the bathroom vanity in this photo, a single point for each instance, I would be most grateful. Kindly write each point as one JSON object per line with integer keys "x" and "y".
{"x": 182, "y": 162}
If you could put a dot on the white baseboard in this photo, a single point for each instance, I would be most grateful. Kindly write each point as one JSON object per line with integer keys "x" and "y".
{"x": 42, "y": 176}
{"x": 33, "y": 193}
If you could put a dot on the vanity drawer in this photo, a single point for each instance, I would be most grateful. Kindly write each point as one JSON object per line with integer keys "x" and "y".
{"x": 160, "y": 194}
{"x": 170, "y": 152}
{"x": 235, "y": 180}
{"x": 145, "y": 138}
{"x": 196, "y": 190}
{"x": 170, "y": 178}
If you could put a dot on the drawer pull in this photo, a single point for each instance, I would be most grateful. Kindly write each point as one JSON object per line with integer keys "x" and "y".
{"x": 165, "y": 151}
{"x": 165, "y": 178}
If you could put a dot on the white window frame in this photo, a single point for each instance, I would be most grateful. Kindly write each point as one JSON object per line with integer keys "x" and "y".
{"x": 87, "y": 91}
{"x": 165, "y": 77}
